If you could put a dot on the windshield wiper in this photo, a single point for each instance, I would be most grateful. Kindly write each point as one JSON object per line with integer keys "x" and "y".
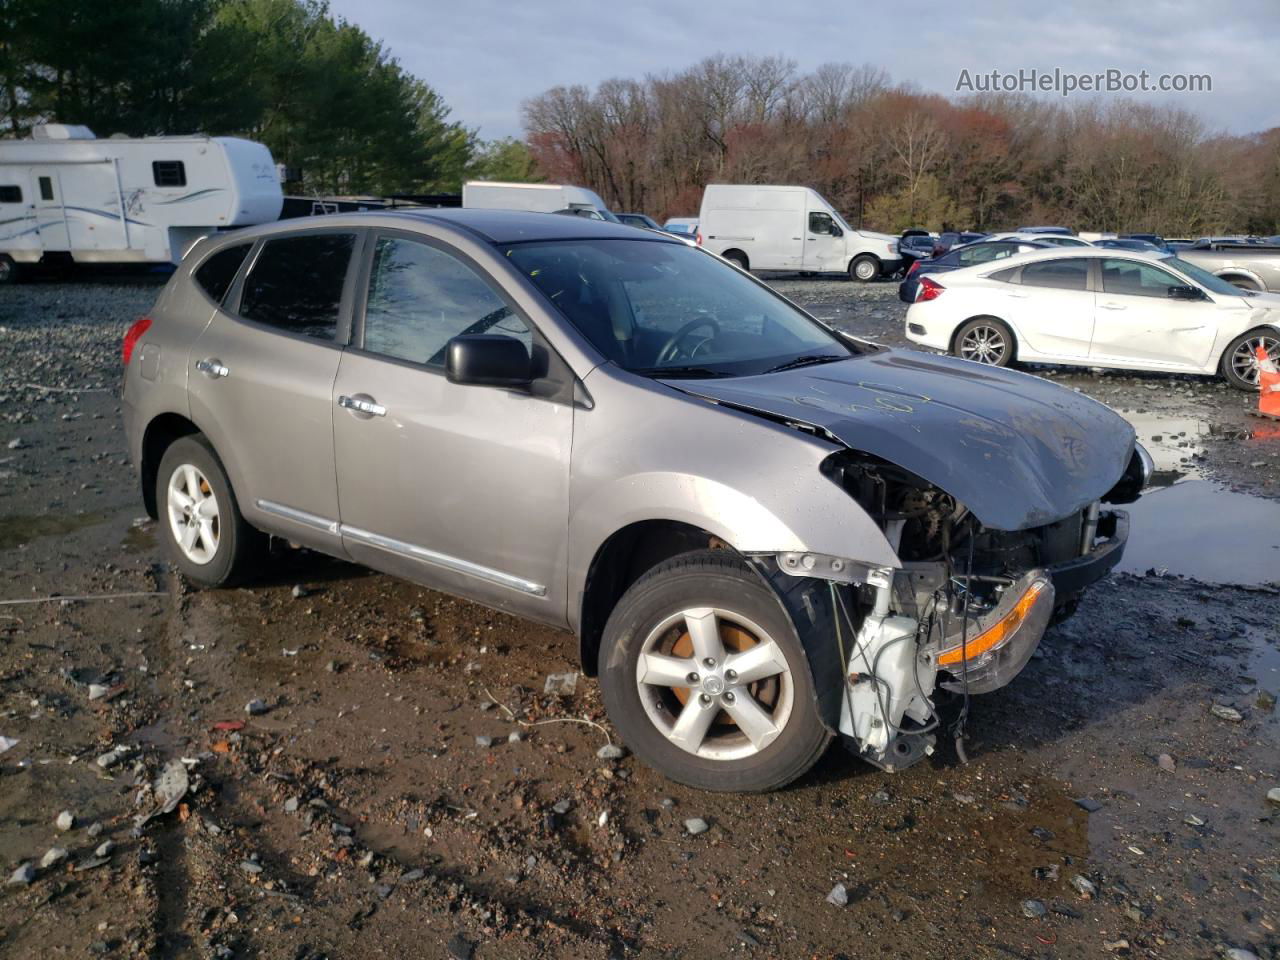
{"x": 807, "y": 361}
{"x": 663, "y": 373}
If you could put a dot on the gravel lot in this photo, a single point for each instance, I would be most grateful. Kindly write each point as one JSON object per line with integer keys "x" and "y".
{"x": 405, "y": 787}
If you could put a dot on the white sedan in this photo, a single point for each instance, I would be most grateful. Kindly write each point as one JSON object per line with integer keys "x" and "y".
{"x": 1098, "y": 308}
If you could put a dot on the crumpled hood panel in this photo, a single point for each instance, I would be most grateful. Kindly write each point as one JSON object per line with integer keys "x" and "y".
{"x": 1017, "y": 450}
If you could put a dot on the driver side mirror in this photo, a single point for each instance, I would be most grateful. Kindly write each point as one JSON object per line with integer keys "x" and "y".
{"x": 836, "y": 231}
{"x": 488, "y": 360}
{"x": 1185, "y": 292}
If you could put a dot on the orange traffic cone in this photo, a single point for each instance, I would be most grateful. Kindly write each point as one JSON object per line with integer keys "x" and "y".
{"x": 1268, "y": 384}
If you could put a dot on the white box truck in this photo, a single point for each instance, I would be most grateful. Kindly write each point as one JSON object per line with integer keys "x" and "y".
{"x": 535, "y": 197}
{"x": 790, "y": 228}
{"x": 68, "y": 193}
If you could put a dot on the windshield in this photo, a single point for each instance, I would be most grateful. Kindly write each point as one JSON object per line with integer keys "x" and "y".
{"x": 1204, "y": 278}
{"x": 667, "y": 309}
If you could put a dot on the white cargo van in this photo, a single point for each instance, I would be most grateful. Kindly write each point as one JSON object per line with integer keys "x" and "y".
{"x": 790, "y": 228}
{"x": 69, "y": 194}
{"x": 535, "y": 197}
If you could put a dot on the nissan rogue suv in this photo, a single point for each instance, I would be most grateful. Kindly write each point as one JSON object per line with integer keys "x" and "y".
{"x": 764, "y": 533}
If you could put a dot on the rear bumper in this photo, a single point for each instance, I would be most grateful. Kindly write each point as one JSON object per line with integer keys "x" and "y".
{"x": 1072, "y": 576}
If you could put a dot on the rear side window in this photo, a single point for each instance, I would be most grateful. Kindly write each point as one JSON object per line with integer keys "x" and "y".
{"x": 46, "y": 188}
{"x": 1070, "y": 274}
{"x": 421, "y": 297}
{"x": 217, "y": 272}
{"x": 1006, "y": 275}
{"x": 169, "y": 173}
{"x": 10, "y": 193}
{"x": 296, "y": 283}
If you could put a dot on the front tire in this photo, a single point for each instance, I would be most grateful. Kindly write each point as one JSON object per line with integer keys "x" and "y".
{"x": 1239, "y": 364}
{"x": 985, "y": 340}
{"x": 200, "y": 522}
{"x": 705, "y": 677}
{"x": 864, "y": 269}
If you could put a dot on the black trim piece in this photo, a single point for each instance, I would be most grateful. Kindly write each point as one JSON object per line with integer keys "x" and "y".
{"x": 1072, "y": 576}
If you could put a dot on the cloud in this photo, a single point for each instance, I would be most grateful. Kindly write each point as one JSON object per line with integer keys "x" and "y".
{"x": 486, "y": 57}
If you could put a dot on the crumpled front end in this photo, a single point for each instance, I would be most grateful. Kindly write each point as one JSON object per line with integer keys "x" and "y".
{"x": 964, "y": 612}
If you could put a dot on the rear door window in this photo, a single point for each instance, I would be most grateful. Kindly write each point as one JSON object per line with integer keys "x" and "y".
{"x": 295, "y": 284}
{"x": 1072, "y": 274}
{"x": 218, "y": 271}
{"x": 421, "y": 297}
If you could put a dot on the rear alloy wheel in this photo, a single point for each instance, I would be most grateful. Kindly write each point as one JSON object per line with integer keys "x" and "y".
{"x": 985, "y": 340}
{"x": 200, "y": 520}
{"x": 864, "y": 269}
{"x": 8, "y": 270}
{"x": 737, "y": 258}
{"x": 1240, "y": 359}
{"x": 706, "y": 680}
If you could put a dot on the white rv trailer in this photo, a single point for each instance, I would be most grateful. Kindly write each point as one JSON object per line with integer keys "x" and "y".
{"x": 67, "y": 193}
{"x": 536, "y": 197}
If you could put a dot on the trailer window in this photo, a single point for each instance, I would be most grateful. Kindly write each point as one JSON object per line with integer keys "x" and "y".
{"x": 296, "y": 284}
{"x": 10, "y": 194}
{"x": 216, "y": 273}
{"x": 169, "y": 173}
{"x": 46, "y": 188}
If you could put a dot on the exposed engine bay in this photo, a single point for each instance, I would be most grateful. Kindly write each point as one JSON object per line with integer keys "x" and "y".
{"x": 964, "y": 612}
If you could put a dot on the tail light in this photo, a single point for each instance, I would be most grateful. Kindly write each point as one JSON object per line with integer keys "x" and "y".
{"x": 915, "y": 265}
{"x": 929, "y": 290}
{"x": 697, "y": 237}
{"x": 132, "y": 336}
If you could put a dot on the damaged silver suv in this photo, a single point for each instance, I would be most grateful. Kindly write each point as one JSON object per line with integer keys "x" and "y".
{"x": 765, "y": 534}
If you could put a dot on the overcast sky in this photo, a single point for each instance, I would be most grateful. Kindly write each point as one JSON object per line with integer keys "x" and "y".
{"x": 486, "y": 56}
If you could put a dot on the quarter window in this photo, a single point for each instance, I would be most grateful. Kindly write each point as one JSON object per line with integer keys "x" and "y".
{"x": 421, "y": 297}
{"x": 169, "y": 173}
{"x": 10, "y": 193}
{"x": 217, "y": 272}
{"x": 984, "y": 253}
{"x": 296, "y": 284}
{"x": 46, "y": 188}
{"x": 1134, "y": 279}
{"x": 1070, "y": 274}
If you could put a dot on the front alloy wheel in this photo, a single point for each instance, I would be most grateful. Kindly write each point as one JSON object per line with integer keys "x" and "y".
{"x": 715, "y": 684}
{"x": 1240, "y": 362}
{"x": 706, "y": 679}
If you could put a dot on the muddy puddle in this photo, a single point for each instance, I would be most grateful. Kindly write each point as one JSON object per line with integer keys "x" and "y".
{"x": 1193, "y": 527}
{"x": 18, "y": 530}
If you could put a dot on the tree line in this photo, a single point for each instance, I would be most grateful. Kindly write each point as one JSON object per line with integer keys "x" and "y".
{"x": 332, "y": 105}
{"x": 890, "y": 157}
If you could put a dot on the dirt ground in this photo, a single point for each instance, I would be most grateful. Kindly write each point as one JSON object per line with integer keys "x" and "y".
{"x": 1115, "y": 802}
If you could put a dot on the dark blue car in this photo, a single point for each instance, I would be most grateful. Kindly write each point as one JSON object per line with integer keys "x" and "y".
{"x": 970, "y": 255}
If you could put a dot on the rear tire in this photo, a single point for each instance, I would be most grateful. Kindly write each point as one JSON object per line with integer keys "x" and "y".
{"x": 684, "y": 709}
{"x": 985, "y": 340}
{"x": 8, "y": 270}
{"x": 864, "y": 269}
{"x": 738, "y": 259}
{"x": 200, "y": 521}
{"x": 1239, "y": 366}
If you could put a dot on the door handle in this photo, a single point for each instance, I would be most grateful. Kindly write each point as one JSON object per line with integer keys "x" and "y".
{"x": 1112, "y": 306}
{"x": 212, "y": 368}
{"x": 1017, "y": 296}
{"x": 359, "y": 404}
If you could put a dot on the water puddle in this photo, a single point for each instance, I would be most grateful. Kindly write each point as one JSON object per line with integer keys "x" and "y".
{"x": 1206, "y": 531}
{"x": 18, "y": 530}
{"x": 1194, "y": 527}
